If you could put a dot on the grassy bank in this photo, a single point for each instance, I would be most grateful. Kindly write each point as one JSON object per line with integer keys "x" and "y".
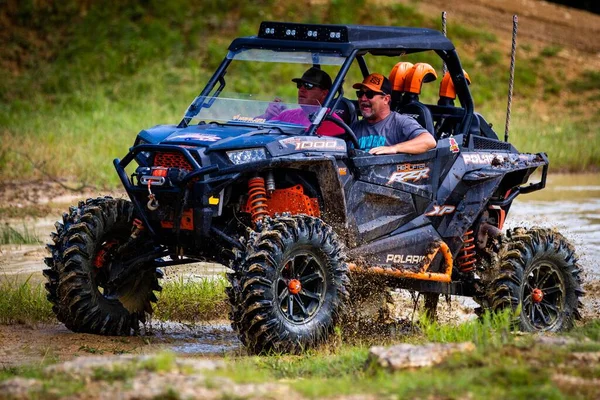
{"x": 75, "y": 94}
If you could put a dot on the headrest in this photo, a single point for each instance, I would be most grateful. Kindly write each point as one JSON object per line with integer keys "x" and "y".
{"x": 398, "y": 75}
{"x": 417, "y": 75}
{"x": 447, "y": 86}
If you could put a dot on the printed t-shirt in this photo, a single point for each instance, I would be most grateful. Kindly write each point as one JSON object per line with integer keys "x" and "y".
{"x": 393, "y": 129}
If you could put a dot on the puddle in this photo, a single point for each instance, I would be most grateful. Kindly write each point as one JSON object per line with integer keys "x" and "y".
{"x": 216, "y": 338}
{"x": 205, "y": 348}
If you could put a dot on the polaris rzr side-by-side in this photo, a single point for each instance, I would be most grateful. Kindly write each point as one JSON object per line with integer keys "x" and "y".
{"x": 295, "y": 215}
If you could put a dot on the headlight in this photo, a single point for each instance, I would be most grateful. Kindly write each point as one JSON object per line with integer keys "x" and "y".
{"x": 247, "y": 156}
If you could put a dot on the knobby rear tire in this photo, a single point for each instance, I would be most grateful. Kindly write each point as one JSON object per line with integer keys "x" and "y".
{"x": 74, "y": 283}
{"x": 539, "y": 260}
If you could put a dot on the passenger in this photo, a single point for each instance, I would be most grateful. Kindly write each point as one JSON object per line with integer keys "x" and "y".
{"x": 382, "y": 131}
{"x": 313, "y": 87}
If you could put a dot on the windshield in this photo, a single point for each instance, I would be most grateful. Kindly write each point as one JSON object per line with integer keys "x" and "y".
{"x": 257, "y": 89}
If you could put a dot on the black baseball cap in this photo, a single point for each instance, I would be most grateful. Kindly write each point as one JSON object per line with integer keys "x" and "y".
{"x": 315, "y": 76}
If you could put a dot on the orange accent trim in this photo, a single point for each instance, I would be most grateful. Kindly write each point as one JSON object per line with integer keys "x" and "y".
{"x": 187, "y": 221}
{"x": 100, "y": 258}
{"x": 537, "y": 295}
{"x": 138, "y": 224}
{"x": 447, "y": 86}
{"x": 294, "y": 201}
{"x": 257, "y": 199}
{"x": 501, "y": 218}
{"x": 422, "y": 274}
{"x": 502, "y": 213}
{"x": 398, "y": 75}
{"x": 294, "y": 286}
{"x": 417, "y": 75}
{"x": 467, "y": 260}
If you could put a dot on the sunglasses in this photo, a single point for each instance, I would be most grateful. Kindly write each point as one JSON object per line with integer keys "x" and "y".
{"x": 369, "y": 93}
{"x": 306, "y": 85}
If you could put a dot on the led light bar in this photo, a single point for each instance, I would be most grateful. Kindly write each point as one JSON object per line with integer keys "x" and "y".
{"x": 291, "y": 31}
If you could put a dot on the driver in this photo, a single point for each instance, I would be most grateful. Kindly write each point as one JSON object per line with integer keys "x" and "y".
{"x": 313, "y": 87}
{"x": 382, "y": 131}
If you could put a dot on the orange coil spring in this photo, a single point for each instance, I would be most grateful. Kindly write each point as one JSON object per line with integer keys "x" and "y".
{"x": 257, "y": 198}
{"x": 466, "y": 259}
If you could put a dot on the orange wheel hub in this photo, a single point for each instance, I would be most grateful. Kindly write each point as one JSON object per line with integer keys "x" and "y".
{"x": 294, "y": 286}
{"x": 537, "y": 295}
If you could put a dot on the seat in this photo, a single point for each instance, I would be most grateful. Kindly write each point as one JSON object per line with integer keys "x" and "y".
{"x": 410, "y": 104}
{"x": 346, "y": 110}
{"x": 397, "y": 78}
{"x": 418, "y": 111}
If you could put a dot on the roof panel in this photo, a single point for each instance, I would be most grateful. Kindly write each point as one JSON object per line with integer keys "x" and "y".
{"x": 360, "y": 37}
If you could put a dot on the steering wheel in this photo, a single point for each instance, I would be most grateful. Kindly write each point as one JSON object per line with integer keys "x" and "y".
{"x": 346, "y": 128}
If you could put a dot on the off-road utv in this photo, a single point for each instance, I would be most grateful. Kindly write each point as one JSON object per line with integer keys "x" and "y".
{"x": 295, "y": 215}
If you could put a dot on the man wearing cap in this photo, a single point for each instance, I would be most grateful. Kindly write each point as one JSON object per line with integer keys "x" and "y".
{"x": 313, "y": 87}
{"x": 382, "y": 131}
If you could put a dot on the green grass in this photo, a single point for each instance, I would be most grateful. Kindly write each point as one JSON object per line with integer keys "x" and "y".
{"x": 10, "y": 235}
{"x": 491, "y": 331}
{"x": 193, "y": 300}
{"x": 550, "y": 51}
{"x": 502, "y": 366}
{"x": 23, "y": 302}
{"x": 588, "y": 82}
{"x": 562, "y": 139}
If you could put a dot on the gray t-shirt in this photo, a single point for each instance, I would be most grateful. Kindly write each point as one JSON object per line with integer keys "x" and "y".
{"x": 395, "y": 128}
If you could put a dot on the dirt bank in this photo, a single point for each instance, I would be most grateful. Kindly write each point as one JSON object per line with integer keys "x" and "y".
{"x": 540, "y": 22}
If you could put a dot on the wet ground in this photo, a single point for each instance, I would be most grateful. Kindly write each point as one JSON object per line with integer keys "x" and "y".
{"x": 570, "y": 203}
{"x": 23, "y": 344}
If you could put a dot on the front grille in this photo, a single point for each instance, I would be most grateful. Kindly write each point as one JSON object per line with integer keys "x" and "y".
{"x": 172, "y": 160}
{"x": 489, "y": 144}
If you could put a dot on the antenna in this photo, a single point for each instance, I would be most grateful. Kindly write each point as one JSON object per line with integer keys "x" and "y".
{"x": 512, "y": 75}
{"x": 444, "y": 68}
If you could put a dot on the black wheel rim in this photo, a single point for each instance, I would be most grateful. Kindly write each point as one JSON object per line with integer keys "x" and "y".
{"x": 299, "y": 304}
{"x": 103, "y": 264}
{"x": 101, "y": 274}
{"x": 543, "y": 296}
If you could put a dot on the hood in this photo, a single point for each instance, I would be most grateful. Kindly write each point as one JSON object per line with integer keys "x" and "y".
{"x": 213, "y": 136}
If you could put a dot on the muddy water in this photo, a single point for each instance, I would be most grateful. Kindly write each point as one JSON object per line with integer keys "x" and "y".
{"x": 570, "y": 204}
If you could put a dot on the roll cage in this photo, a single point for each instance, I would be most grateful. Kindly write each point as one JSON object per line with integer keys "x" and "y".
{"x": 353, "y": 42}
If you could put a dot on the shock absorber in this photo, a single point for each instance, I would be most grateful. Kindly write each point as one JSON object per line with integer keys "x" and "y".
{"x": 257, "y": 199}
{"x": 466, "y": 259}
